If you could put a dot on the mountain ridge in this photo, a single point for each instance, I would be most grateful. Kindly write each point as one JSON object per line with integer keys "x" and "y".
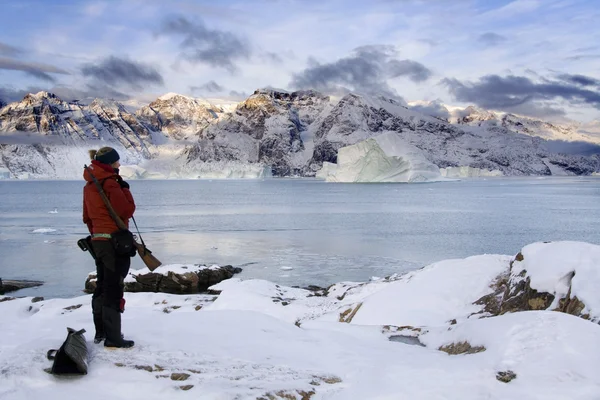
{"x": 293, "y": 133}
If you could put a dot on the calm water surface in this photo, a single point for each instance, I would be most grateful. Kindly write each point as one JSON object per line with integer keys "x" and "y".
{"x": 297, "y": 231}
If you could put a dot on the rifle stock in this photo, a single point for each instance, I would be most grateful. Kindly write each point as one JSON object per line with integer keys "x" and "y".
{"x": 146, "y": 255}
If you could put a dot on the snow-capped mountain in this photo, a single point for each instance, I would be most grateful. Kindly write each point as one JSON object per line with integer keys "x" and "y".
{"x": 45, "y": 136}
{"x": 179, "y": 117}
{"x": 290, "y": 133}
{"x": 565, "y": 131}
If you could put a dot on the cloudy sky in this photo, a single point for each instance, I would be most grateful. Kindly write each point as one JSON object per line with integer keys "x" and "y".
{"x": 534, "y": 57}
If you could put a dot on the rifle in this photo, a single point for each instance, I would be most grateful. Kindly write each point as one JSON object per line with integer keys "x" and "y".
{"x": 145, "y": 254}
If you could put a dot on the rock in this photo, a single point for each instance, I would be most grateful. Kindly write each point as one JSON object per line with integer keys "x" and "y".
{"x": 179, "y": 376}
{"x": 461, "y": 348}
{"x": 7, "y": 286}
{"x": 37, "y": 299}
{"x": 506, "y": 376}
{"x": 186, "y": 387}
{"x": 7, "y": 299}
{"x": 198, "y": 279}
{"x": 512, "y": 292}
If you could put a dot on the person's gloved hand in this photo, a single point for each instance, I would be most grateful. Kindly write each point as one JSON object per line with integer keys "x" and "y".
{"x": 122, "y": 183}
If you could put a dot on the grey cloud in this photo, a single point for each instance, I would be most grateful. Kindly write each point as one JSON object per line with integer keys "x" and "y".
{"x": 433, "y": 108}
{"x": 491, "y": 39}
{"x": 9, "y": 50}
{"x": 516, "y": 93}
{"x": 583, "y": 57}
{"x": 37, "y": 70}
{"x": 415, "y": 71}
{"x": 200, "y": 44}
{"x": 116, "y": 71}
{"x": 211, "y": 87}
{"x": 581, "y": 80}
{"x": 234, "y": 94}
{"x": 366, "y": 70}
{"x": 272, "y": 57}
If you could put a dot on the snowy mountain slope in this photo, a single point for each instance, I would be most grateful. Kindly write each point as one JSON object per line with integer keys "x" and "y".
{"x": 266, "y": 128}
{"x": 179, "y": 117}
{"x": 566, "y": 131}
{"x": 46, "y": 137}
{"x": 356, "y": 118}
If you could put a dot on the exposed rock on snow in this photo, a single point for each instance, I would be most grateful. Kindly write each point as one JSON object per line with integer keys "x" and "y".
{"x": 7, "y": 286}
{"x": 556, "y": 276}
{"x": 173, "y": 278}
{"x": 383, "y": 158}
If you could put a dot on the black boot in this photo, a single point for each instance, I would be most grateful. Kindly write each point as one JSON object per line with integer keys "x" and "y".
{"x": 98, "y": 323}
{"x": 112, "y": 329}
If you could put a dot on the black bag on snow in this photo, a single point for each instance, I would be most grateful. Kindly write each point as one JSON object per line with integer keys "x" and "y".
{"x": 72, "y": 357}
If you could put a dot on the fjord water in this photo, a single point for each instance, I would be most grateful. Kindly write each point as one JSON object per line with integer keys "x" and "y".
{"x": 297, "y": 231}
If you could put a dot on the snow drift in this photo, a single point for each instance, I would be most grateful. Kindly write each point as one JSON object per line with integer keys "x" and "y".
{"x": 260, "y": 340}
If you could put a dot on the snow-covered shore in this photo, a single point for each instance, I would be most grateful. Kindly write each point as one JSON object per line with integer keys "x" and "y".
{"x": 260, "y": 340}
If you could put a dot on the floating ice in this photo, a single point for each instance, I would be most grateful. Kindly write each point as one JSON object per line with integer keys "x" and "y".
{"x": 383, "y": 158}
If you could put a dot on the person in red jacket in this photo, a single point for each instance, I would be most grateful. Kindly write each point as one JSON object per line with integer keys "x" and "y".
{"x": 111, "y": 268}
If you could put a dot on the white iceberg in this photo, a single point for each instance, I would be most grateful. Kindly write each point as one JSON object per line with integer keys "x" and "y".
{"x": 468, "y": 172}
{"x": 383, "y": 158}
{"x": 4, "y": 173}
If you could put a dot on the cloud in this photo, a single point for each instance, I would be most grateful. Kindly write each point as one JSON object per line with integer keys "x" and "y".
{"x": 521, "y": 94}
{"x": 119, "y": 71}
{"x": 433, "y": 108}
{"x": 37, "y": 70}
{"x": 200, "y": 44}
{"x": 415, "y": 71}
{"x": 583, "y": 57}
{"x": 211, "y": 87}
{"x": 581, "y": 80}
{"x": 272, "y": 57}
{"x": 235, "y": 95}
{"x": 9, "y": 50}
{"x": 490, "y": 39}
{"x": 366, "y": 70}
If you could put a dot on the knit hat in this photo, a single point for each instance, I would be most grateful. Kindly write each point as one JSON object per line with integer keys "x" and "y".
{"x": 109, "y": 157}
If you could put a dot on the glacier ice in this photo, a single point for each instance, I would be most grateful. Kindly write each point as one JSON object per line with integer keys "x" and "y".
{"x": 4, "y": 173}
{"x": 383, "y": 158}
{"x": 468, "y": 172}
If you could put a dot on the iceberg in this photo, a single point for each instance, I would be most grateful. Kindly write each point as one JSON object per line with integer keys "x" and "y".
{"x": 4, "y": 173}
{"x": 468, "y": 172}
{"x": 383, "y": 158}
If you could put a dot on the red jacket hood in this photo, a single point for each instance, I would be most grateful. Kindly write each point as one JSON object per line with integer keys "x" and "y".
{"x": 99, "y": 170}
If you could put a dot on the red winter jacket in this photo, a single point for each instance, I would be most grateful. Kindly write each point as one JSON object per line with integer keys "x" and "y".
{"x": 95, "y": 213}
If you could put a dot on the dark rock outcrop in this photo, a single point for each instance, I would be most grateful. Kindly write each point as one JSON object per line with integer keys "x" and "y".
{"x": 512, "y": 292}
{"x": 197, "y": 280}
{"x": 7, "y": 286}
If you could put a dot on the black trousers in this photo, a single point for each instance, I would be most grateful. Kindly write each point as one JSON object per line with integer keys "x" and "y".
{"x": 111, "y": 270}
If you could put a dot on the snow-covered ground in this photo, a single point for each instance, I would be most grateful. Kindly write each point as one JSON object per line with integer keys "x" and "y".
{"x": 375, "y": 340}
